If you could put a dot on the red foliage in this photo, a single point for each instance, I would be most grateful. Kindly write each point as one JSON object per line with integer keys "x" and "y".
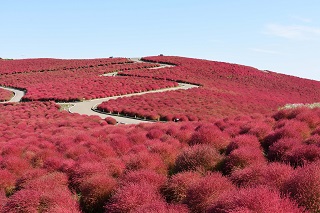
{"x": 259, "y": 199}
{"x": 54, "y": 200}
{"x": 66, "y": 86}
{"x": 111, "y": 120}
{"x": 42, "y": 192}
{"x": 304, "y": 187}
{"x": 199, "y": 158}
{"x": 131, "y": 197}
{"x": 210, "y": 135}
{"x": 145, "y": 160}
{"x": 281, "y": 133}
{"x": 176, "y": 188}
{"x": 95, "y": 192}
{"x": 46, "y": 64}
{"x": 143, "y": 176}
{"x": 278, "y": 150}
{"x": 206, "y": 191}
{"x": 293, "y": 152}
{"x": 227, "y": 89}
{"x": 46, "y": 156}
{"x": 272, "y": 175}
{"x": 168, "y": 151}
{"x": 242, "y": 141}
{"x": 242, "y": 158}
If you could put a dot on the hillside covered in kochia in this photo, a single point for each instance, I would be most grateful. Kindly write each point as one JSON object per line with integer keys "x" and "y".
{"x": 226, "y": 89}
{"x": 233, "y": 150}
{"x": 61, "y": 162}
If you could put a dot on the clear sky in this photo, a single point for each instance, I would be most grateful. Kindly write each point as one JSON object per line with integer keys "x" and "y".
{"x": 278, "y": 35}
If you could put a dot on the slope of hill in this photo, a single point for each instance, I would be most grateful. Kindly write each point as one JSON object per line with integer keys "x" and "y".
{"x": 256, "y": 159}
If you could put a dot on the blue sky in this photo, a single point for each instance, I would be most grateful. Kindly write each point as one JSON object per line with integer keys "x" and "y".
{"x": 278, "y": 35}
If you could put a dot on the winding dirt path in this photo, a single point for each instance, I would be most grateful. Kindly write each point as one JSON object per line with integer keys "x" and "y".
{"x": 89, "y": 107}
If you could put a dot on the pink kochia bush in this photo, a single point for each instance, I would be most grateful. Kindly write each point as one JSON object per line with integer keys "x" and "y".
{"x": 304, "y": 187}
{"x": 210, "y": 135}
{"x": 242, "y": 158}
{"x": 259, "y": 199}
{"x": 206, "y": 191}
{"x": 143, "y": 176}
{"x": 201, "y": 158}
{"x": 131, "y": 197}
{"x": 176, "y": 188}
{"x": 272, "y": 175}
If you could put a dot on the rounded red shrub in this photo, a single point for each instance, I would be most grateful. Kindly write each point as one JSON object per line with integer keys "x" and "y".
{"x": 273, "y": 175}
{"x": 242, "y": 158}
{"x": 143, "y": 176}
{"x": 260, "y": 199}
{"x": 82, "y": 171}
{"x": 310, "y": 117}
{"x": 95, "y": 192}
{"x": 200, "y": 158}
{"x": 111, "y": 120}
{"x": 211, "y": 135}
{"x": 260, "y": 130}
{"x": 301, "y": 128}
{"x": 138, "y": 136}
{"x": 242, "y": 141}
{"x": 278, "y": 134}
{"x": 303, "y": 154}
{"x": 304, "y": 187}
{"x": 278, "y": 150}
{"x": 175, "y": 190}
{"x": 15, "y": 165}
{"x": 145, "y": 160}
{"x": 155, "y": 134}
{"x": 120, "y": 144}
{"x": 43, "y": 182}
{"x": 168, "y": 151}
{"x": 131, "y": 197}
{"x": 288, "y": 113}
{"x": 183, "y": 135}
{"x": 293, "y": 152}
{"x": 206, "y": 191}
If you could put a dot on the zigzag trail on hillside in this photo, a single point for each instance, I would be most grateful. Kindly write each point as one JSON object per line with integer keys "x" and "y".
{"x": 89, "y": 107}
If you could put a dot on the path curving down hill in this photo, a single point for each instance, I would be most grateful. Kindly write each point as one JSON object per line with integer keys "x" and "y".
{"x": 89, "y": 107}
{"x": 18, "y": 94}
